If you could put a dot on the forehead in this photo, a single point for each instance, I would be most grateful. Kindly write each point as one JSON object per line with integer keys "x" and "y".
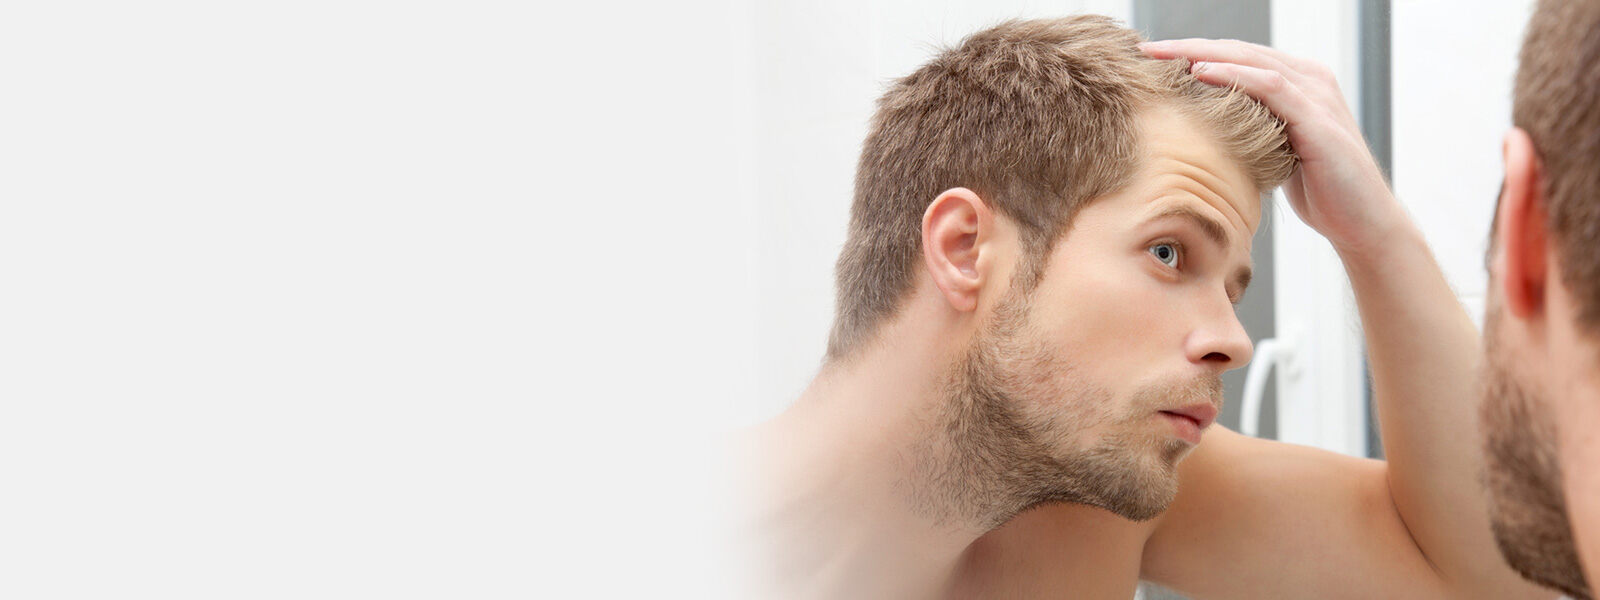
{"x": 1181, "y": 163}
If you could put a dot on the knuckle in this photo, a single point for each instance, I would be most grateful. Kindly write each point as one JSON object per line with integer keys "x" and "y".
{"x": 1274, "y": 82}
{"x": 1321, "y": 71}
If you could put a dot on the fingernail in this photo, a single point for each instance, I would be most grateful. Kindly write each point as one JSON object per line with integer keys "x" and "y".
{"x": 1196, "y": 68}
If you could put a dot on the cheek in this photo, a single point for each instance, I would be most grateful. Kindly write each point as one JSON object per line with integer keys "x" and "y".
{"x": 1107, "y": 316}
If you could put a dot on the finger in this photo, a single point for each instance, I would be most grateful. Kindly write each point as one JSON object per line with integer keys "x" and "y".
{"x": 1312, "y": 128}
{"x": 1230, "y": 51}
{"x": 1314, "y": 79}
{"x": 1269, "y": 87}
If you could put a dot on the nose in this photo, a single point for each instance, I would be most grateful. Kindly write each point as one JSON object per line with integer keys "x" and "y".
{"x": 1219, "y": 342}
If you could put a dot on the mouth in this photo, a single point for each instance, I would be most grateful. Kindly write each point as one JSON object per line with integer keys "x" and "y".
{"x": 1188, "y": 421}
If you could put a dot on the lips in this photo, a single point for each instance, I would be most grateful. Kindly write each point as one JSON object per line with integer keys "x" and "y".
{"x": 1203, "y": 414}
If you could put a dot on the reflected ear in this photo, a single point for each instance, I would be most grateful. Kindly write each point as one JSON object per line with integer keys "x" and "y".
{"x": 953, "y": 230}
{"x": 1520, "y": 232}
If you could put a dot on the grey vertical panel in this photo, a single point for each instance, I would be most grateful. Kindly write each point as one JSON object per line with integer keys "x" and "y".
{"x": 1376, "y": 126}
{"x": 1375, "y": 119}
{"x": 1248, "y": 20}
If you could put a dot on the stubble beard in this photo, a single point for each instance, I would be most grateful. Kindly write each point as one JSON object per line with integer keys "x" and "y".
{"x": 1527, "y": 504}
{"x": 993, "y": 458}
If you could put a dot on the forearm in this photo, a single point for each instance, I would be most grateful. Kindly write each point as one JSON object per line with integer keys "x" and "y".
{"x": 1423, "y": 352}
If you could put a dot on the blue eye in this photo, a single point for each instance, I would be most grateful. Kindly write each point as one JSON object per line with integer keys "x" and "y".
{"x": 1166, "y": 253}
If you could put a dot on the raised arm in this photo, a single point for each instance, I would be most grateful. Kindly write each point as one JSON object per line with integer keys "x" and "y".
{"x": 1424, "y": 507}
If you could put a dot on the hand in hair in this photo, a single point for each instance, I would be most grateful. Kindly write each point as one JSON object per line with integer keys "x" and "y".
{"x": 1338, "y": 190}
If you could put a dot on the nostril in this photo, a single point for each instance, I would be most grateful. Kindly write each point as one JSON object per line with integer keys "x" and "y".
{"x": 1216, "y": 356}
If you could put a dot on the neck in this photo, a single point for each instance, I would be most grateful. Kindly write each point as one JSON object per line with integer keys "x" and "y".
{"x": 846, "y": 500}
{"x": 1579, "y": 402}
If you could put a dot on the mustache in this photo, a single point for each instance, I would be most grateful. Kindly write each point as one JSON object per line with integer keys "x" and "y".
{"x": 1180, "y": 392}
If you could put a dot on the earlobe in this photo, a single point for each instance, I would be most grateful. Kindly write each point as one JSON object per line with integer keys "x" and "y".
{"x": 1521, "y": 231}
{"x": 953, "y": 229}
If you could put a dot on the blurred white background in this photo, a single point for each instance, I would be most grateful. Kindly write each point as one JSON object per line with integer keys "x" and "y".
{"x": 428, "y": 299}
{"x": 1453, "y": 68}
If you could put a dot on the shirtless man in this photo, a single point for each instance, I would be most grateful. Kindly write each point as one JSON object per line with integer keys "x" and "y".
{"x": 1035, "y": 304}
{"x": 1542, "y": 323}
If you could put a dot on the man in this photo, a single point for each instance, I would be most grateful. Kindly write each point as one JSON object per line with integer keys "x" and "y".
{"x": 1034, "y": 308}
{"x": 1542, "y": 404}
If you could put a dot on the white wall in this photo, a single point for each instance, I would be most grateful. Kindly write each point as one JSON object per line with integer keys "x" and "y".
{"x": 351, "y": 298}
{"x": 821, "y": 67}
{"x": 1453, "y": 64}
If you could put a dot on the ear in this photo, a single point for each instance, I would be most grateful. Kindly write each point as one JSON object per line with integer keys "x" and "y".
{"x": 1521, "y": 232}
{"x": 953, "y": 230}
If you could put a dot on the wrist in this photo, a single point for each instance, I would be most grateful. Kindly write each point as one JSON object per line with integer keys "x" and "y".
{"x": 1380, "y": 240}
{"x": 1388, "y": 228}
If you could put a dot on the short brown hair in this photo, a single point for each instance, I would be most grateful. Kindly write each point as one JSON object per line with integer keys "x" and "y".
{"x": 1037, "y": 117}
{"x": 1557, "y": 101}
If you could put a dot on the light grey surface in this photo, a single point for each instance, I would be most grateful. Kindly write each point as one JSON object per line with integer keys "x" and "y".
{"x": 1248, "y": 20}
{"x": 1376, "y": 126}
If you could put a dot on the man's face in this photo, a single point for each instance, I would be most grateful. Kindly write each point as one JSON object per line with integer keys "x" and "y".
{"x": 1108, "y": 370}
{"x": 1527, "y": 505}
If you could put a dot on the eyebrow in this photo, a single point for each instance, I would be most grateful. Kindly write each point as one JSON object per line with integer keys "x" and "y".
{"x": 1216, "y": 233}
{"x": 1207, "y": 225}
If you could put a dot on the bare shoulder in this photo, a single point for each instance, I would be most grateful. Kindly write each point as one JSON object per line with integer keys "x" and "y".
{"x": 1260, "y": 518}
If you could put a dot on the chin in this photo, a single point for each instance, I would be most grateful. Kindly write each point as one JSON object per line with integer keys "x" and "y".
{"x": 1149, "y": 502}
{"x": 1145, "y": 485}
